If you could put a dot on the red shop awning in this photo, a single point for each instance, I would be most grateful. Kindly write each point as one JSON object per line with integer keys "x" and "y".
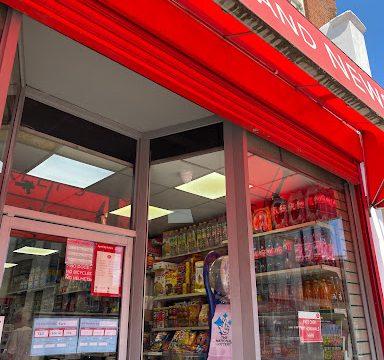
{"x": 373, "y": 143}
{"x": 205, "y": 54}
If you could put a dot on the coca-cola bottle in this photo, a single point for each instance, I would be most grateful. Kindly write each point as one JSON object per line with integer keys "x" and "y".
{"x": 299, "y": 248}
{"x": 331, "y": 204}
{"x": 310, "y": 205}
{"x": 279, "y": 254}
{"x": 257, "y": 255}
{"x": 279, "y": 211}
{"x": 308, "y": 246}
{"x": 270, "y": 252}
{"x": 262, "y": 256}
{"x": 320, "y": 251}
{"x": 289, "y": 251}
{"x": 320, "y": 199}
{"x": 296, "y": 208}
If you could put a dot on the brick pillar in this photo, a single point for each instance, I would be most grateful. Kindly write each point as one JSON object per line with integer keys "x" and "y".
{"x": 319, "y": 12}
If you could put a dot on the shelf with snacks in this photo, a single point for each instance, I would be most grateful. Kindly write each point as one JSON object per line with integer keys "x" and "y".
{"x": 221, "y": 246}
{"x": 192, "y": 328}
{"x": 313, "y": 270}
{"x": 323, "y": 224}
{"x": 179, "y": 296}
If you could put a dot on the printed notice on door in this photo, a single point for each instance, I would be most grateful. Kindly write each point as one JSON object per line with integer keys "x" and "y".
{"x": 54, "y": 336}
{"x": 108, "y": 267}
{"x": 79, "y": 260}
{"x": 310, "y": 327}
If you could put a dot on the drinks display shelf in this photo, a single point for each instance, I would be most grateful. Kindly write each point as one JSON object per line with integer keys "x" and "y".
{"x": 45, "y": 287}
{"x": 192, "y": 328}
{"x": 178, "y": 297}
{"x": 325, "y": 314}
{"x": 323, "y": 224}
{"x": 303, "y": 271}
{"x": 223, "y": 245}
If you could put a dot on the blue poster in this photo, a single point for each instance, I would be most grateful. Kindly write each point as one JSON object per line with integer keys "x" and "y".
{"x": 54, "y": 336}
{"x": 97, "y": 335}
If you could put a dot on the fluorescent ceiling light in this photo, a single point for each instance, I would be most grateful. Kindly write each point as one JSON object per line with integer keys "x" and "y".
{"x": 211, "y": 186}
{"x": 9, "y": 265}
{"x": 35, "y": 251}
{"x": 153, "y": 212}
{"x": 70, "y": 172}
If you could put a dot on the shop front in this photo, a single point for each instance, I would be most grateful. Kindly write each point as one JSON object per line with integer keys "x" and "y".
{"x": 145, "y": 144}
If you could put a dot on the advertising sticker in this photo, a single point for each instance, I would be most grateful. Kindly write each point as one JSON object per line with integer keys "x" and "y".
{"x": 97, "y": 335}
{"x": 108, "y": 268}
{"x": 54, "y": 336}
{"x": 79, "y": 260}
{"x": 310, "y": 327}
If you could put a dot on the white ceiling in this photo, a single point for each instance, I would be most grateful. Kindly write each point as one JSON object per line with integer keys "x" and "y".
{"x": 61, "y": 67}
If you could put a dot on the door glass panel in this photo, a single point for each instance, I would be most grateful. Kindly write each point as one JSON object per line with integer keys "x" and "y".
{"x": 47, "y": 313}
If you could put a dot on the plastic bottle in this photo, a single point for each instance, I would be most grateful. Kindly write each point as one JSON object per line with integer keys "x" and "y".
{"x": 279, "y": 258}
{"x": 310, "y": 205}
{"x": 308, "y": 246}
{"x": 262, "y": 255}
{"x": 320, "y": 199}
{"x": 325, "y": 295}
{"x": 296, "y": 208}
{"x": 279, "y": 209}
{"x": 320, "y": 246}
{"x": 289, "y": 253}
{"x": 299, "y": 248}
{"x": 257, "y": 255}
{"x": 270, "y": 253}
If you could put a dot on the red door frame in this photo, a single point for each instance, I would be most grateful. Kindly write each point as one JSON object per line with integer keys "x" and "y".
{"x": 167, "y": 44}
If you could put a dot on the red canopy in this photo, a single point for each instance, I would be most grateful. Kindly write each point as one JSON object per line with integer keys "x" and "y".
{"x": 201, "y": 52}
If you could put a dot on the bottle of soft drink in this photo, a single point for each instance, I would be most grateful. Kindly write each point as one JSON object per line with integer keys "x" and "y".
{"x": 289, "y": 253}
{"x": 296, "y": 208}
{"x": 320, "y": 199}
{"x": 329, "y": 252}
{"x": 279, "y": 258}
{"x": 262, "y": 255}
{"x": 325, "y": 295}
{"x": 270, "y": 252}
{"x": 311, "y": 211}
{"x": 332, "y": 202}
{"x": 308, "y": 246}
{"x": 279, "y": 211}
{"x": 299, "y": 248}
{"x": 320, "y": 246}
{"x": 257, "y": 255}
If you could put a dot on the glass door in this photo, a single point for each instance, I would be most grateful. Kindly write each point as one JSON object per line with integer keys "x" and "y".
{"x": 62, "y": 294}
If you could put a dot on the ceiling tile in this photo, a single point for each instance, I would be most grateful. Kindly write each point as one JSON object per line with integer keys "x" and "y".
{"x": 212, "y": 161}
{"x": 169, "y": 173}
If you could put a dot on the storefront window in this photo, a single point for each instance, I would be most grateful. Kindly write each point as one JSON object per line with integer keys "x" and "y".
{"x": 309, "y": 300}
{"x": 45, "y": 313}
{"x": 67, "y": 166}
{"x": 187, "y": 220}
{"x": 9, "y": 108}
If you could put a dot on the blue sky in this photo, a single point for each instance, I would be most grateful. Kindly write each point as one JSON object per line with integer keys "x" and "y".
{"x": 371, "y": 13}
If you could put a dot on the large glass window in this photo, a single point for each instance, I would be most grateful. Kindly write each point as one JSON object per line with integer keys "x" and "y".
{"x": 187, "y": 220}
{"x": 67, "y": 166}
{"x": 308, "y": 294}
{"x": 47, "y": 311}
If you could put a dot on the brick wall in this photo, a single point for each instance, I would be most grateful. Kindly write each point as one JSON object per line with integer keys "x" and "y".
{"x": 319, "y": 12}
